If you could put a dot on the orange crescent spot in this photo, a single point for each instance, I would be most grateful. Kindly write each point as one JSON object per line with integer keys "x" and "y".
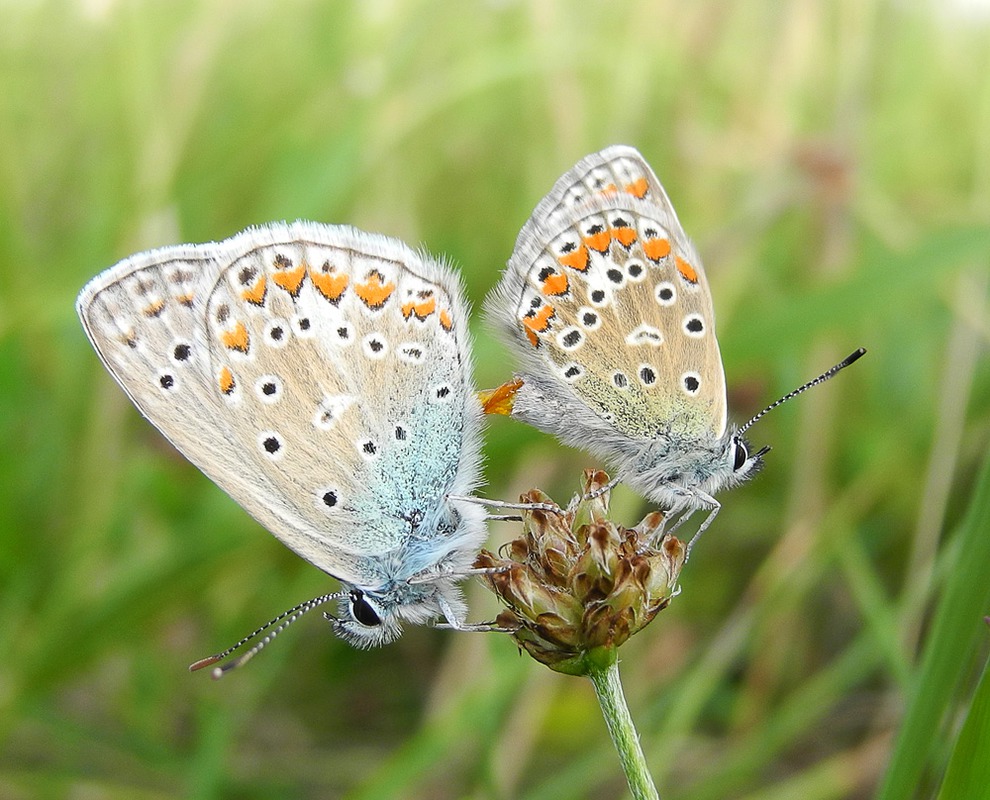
{"x": 329, "y": 284}
{"x": 576, "y": 259}
{"x": 421, "y": 310}
{"x": 638, "y": 188}
{"x": 237, "y": 338}
{"x": 609, "y": 190}
{"x": 540, "y": 321}
{"x": 154, "y": 308}
{"x": 686, "y": 270}
{"x": 500, "y": 399}
{"x": 533, "y": 338}
{"x": 555, "y": 285}
{"x": 624, "y": 236}
{"x": 256, "y": 294}
{"x": 599, "y": 241}
{"x": 290, "y": 279}
{"x": 446, "y": 320}
{"x": 373, "y": 292}
{"x": 227, "y": 382}
{"x": 655, "y": 249}
{"x": 185, "y": 299}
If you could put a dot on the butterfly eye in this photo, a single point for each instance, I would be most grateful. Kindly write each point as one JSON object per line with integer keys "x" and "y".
{"x": 741, "y": 455}
{"x": 362, "y": 611}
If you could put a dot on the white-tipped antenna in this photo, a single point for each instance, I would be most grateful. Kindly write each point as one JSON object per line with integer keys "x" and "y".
{"x": 820, "y": 379}
{"x": 293, "y": 614}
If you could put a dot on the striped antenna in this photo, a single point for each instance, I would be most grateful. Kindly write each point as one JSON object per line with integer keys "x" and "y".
{"x": 820, "y": 379}
{"x": 289, "y": 617}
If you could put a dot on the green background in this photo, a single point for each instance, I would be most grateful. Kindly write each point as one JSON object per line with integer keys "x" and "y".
{"x": 831, "y": 161}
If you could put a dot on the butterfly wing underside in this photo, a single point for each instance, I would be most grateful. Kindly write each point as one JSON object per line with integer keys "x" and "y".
{"x": 318, "y": 374}
{"x": 607, "y": 305}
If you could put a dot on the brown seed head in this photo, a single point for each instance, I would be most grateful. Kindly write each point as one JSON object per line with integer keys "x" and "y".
{"x": 577, "y": 585}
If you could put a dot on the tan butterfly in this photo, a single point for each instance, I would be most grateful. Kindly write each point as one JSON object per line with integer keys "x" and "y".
{"x": 321, "y": 376}
{"x": 607, "y": 308}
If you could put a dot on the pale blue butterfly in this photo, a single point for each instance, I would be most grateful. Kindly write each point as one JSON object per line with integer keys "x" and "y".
{"x": 322, "y": 377}
{"x": 606, "y": 305}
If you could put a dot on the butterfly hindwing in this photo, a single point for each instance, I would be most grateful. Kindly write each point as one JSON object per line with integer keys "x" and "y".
{"x": 607, "y": 304}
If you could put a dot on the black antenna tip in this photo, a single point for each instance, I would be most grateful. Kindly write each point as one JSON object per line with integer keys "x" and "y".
{"x": 853, "y": 357}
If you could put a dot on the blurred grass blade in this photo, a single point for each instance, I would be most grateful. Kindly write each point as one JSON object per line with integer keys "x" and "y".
{"x": 968, "y": 775}
{"x": 957, "y": 627}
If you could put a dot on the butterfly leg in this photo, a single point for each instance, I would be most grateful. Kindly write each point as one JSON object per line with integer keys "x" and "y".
{"x": 445, "y": 573}
{"x": 608, "y": 487}
{"x": 679, "y": 520}
{"x": 716, "y": 506}
{"x": 474, "y": 627}
{"x": 698, "y": 500}
{"x": 481, "y": 501}
{"x": 454, "y": 622}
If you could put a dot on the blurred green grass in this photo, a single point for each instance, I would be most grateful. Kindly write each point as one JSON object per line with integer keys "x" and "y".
{"x": 831, "y": 160}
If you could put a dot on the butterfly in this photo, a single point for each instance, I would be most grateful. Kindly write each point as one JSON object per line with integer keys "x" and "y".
{"x": 321, "y": 376}
{"x": 607, "y": 309}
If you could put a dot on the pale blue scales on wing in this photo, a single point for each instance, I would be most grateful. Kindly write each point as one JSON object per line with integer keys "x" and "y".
{"x": 322, "y": 377}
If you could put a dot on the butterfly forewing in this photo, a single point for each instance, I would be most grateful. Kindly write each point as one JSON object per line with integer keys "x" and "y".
{"x": 308, "y": 370}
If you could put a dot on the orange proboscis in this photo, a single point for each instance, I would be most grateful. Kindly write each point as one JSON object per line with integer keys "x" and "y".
{"x": 500, "y": 399}
{"x": 687, "y": 271}
{"x": 655, "y": 249}
{"x": 237, "y": 338}
{"x": 556, "y": 284}
{"x": 638, "y": 188}
{"x": 290, "y": 279}
{"x": 255, "y": 294}
{"x": 330, "y": 284}
{"x": 226, "y": 380}
{"x": 373, "y": 292}
{"x": 421, "y": 310}
{"x": 576, "y": 259}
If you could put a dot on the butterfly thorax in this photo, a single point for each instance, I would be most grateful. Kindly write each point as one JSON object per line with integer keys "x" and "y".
{"x": 683, "y": 472}
{"x": 417, "y": 581}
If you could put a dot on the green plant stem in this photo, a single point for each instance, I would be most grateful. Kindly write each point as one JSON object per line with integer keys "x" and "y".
{"x": 608, "y": 687}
